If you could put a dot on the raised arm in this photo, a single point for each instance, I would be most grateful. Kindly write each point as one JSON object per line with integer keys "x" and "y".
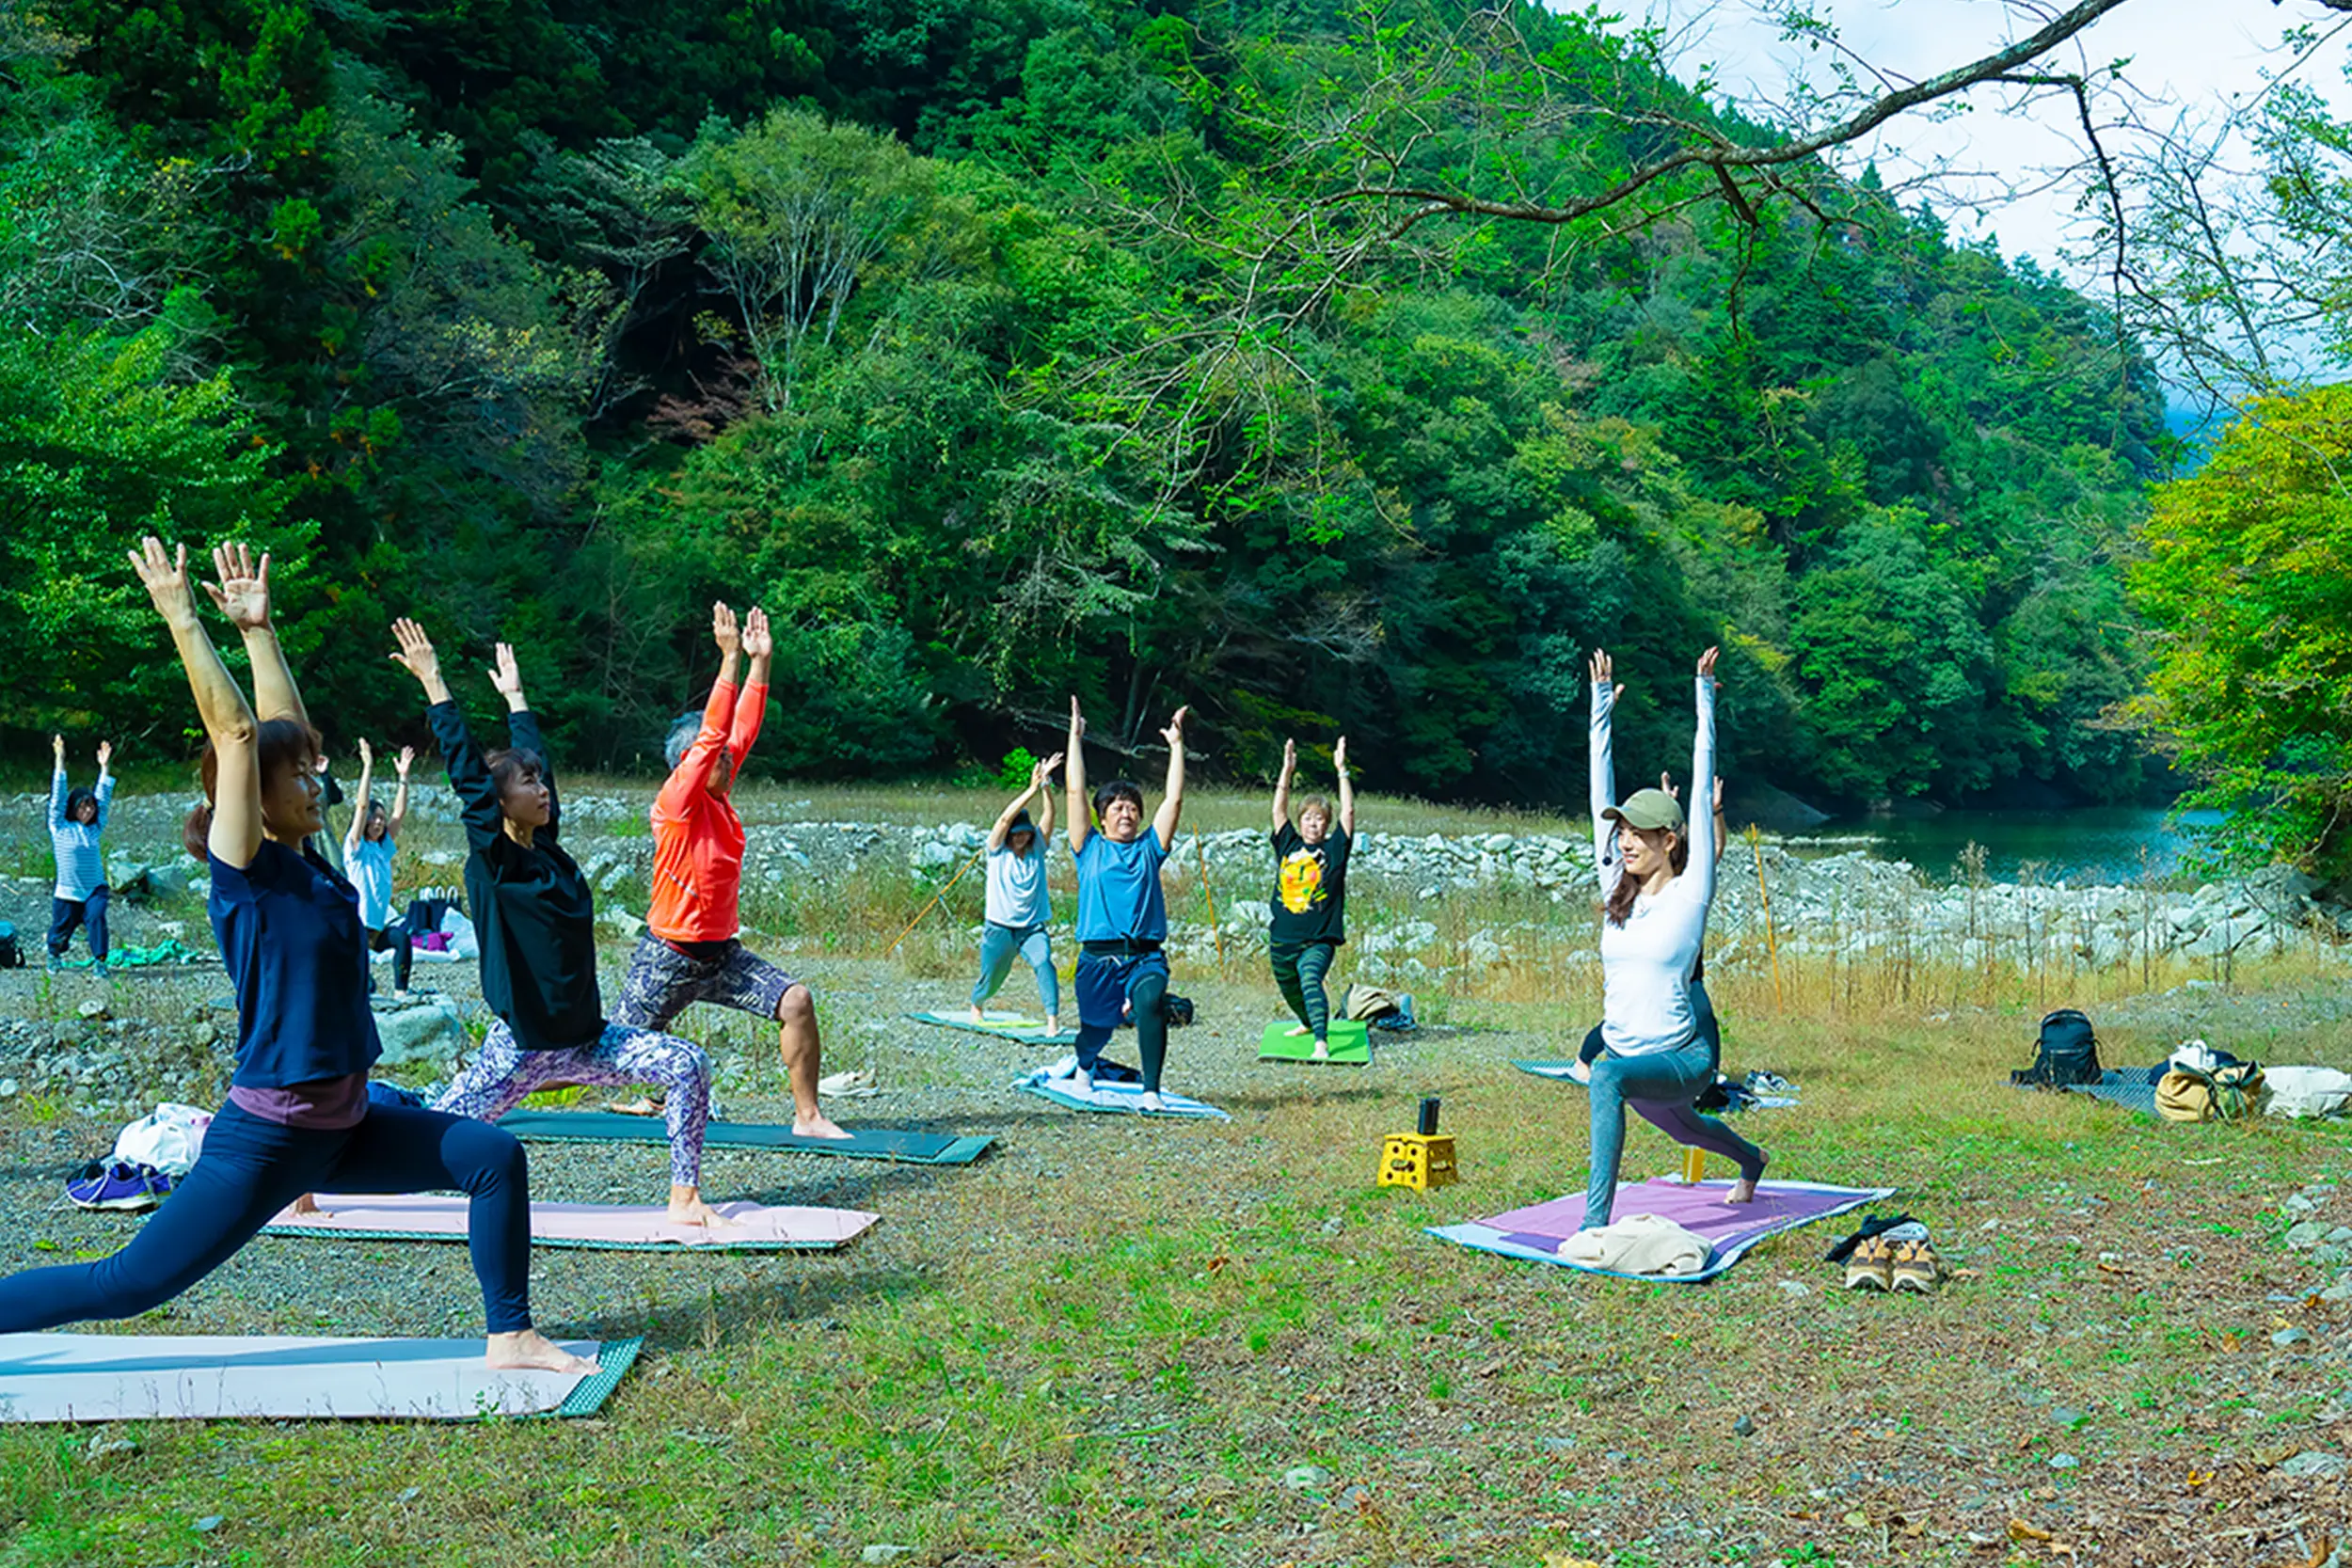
{"x": 105, "y": 782}
{"x": 1045, "y": 801}
{"x": 399, "y": 819}
{"x": 692, "y": 776}
{"x": 1666, "y": 782}
{"x": 1074, "y": 780}
{"x": 241, "y": 592}
{"x": 751, "y": 704}
{"x": 1282, "y": 786}
{"x": 235, "y": 836}
{"x": 1038, "y": 774}
{"x": 59, "y": 789}
{"x": 1347, "y": 789}
{"x": 1706, "y": 837}
{"x": 1172, "y": 801}
{"x": 360, "y": 813}
{"x": 468, "y": 775}
{"x": 1603, "y": 767}
{"x": 523, "y": 732}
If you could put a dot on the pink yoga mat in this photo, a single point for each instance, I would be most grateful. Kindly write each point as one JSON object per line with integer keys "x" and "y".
{"x": 1729, "y": 1230}
{"x": 433, "y": 1218}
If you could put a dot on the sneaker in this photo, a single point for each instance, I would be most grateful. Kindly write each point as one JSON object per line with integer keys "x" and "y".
{"x": 1871, "y": 1267}
{"x": 118, "y": 1186}
{"x": 1915, "y": 1268}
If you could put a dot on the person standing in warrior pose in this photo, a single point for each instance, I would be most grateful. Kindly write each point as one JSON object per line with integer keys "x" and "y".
{"x": 1657, "y": 880}
{"x": 1122, "y": 915}
{"x": 298, "y": 1118}
{"x": 368, "y": 851}
{"x": 691, "y": 949}
{"x": 1309, "y": 912}
{"x": 537, "y": 923}
{"x": 1018, "y": 905}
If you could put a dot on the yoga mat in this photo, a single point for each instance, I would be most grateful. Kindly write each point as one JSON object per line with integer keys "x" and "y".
{"x": 1351, "y": 1045}
{"x": 1557, "y": 1072}
{"x": 422, "y": 1218}
{"x": 1123, "y": 1099}
{"x": 2130, "y": 1091}
{"x": 1729, "y": 1230}
{"x": 1002, "y": 1026}
{"x": 151, "y": 1377}
{"x": 870, "y": 1143}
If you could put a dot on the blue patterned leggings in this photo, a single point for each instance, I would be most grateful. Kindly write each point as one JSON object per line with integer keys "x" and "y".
{"x": 501, "y": 1073}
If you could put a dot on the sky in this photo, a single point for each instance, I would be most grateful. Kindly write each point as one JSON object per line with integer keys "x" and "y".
{"x": 2192, "y": 56}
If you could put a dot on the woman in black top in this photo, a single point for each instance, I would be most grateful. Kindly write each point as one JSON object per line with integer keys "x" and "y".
{"x": 537, "y": 922}
{"x": 298, "y": 1116}
{"x": 1310, "y": 918}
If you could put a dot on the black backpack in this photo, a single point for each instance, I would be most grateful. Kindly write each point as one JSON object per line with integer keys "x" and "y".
{"x": 12, "y": 955}
{"x": 2066, "y": 1052}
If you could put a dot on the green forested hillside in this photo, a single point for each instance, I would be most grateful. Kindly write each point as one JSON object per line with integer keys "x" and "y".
{"x": 551, "y": 320}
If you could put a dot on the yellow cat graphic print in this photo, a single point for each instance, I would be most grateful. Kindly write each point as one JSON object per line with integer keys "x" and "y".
{"x": 1301, "y": 883}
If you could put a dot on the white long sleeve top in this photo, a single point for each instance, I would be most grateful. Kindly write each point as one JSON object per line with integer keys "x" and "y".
{"x": 1646, "y": 963}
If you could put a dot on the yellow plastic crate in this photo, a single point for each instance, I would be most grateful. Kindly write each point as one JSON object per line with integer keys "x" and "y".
{"x": 1412, "y": 1160}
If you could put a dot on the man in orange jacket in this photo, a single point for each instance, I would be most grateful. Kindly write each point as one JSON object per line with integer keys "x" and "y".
{"x": 690, "y": 951}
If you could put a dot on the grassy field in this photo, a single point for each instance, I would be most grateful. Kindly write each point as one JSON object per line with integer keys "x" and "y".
{"x": 1119, "y": 1341}
{"x": 1112, "y": 1342}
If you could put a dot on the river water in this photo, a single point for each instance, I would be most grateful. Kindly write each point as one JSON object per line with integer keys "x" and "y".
{"x": 2092, "y": 844}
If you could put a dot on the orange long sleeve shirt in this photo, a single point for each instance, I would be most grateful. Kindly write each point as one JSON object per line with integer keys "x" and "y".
{"x": 697, "y": 837}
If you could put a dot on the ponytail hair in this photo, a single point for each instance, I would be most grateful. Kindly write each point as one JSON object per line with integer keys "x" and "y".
{"x": 281, "y": 746}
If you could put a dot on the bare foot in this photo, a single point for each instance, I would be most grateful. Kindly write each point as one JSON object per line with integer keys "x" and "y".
{"x": 1581, "y": 1072}
{"x": 1743, "y": 1190}
{"x": 1322, "y": 1053}
{"x": 818, "y": 1126}
{"x": 1151, "y": 1100}
{"x": 687, "y": 1208}
{"x": 1082, "y": 1084}
{"x": 1053, "y": 1024}
{"x": 308, "y": 1204}
{"x": 1295, "y": 1030}
{"x": 532, "y": 1350}
{"x": 979, "y": 1016}
{"x": 643, "y": 1105}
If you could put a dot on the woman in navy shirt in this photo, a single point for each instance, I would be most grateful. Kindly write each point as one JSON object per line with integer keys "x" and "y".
{"x": 298, "y": 1118}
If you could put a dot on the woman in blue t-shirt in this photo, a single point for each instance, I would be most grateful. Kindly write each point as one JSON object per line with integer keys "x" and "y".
{"x": 298, "y": 1118}
{"x": 368, "y": 851}
{"x": 1018, "y": 905}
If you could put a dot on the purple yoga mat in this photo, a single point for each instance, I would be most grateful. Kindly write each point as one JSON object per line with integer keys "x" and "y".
{"x": 1699, "y": 1209}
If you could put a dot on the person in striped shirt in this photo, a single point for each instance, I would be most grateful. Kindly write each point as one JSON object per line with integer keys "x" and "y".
{"x": 76, "y": 819}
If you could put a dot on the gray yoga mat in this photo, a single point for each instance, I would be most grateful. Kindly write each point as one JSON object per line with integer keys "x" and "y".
{"x": 1004, "y": 1026}
{"x": 168, "y": 1377}
{"x": 868, "y": 1142}
{"x": 2130, "y": 1091}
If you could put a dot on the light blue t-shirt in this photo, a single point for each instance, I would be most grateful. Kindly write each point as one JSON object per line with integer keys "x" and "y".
{"x": 1118, "y": 890}
{"x": 1016, "y": 888}
{"x": 368, "y": 864}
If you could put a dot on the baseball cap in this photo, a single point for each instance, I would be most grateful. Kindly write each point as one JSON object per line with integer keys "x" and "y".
{"x": 1647, "y": 810}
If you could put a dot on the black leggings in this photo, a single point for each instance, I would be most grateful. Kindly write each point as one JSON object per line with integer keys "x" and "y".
{"x": 250, "y": 1169}
{"x": 395, "y": 937}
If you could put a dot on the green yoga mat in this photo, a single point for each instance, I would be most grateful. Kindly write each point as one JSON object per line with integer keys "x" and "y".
{"x": 871, "y": 1143}
{"x": 1351, "y": 1045}
{"x": 1002, "y": 1026}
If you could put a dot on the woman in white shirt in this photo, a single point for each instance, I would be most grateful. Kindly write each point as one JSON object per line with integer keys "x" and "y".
{"x": 1657, "y": 880}
{"x": 1018, "y": 905}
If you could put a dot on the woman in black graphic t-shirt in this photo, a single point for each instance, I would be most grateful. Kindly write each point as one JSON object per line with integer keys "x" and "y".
{"x": 1310, "y": 894}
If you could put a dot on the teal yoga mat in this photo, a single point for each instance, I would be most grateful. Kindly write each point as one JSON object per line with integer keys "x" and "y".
{"x": 868, "y": 1142}
{"x": 1002, "y": 1026}
{"x": 1351, "y": 1045}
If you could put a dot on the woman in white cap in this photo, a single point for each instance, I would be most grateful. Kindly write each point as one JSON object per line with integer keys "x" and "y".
{"x": 1657, "y": 880}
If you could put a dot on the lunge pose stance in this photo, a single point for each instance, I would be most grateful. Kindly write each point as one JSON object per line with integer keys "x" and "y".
{"x": 537, "y": 923}
{"x": 76, "y": 819}
{"x": 368, "y": 850}
{"x": 1310, "y": 918}
{"x": 1702, "y": 1006}
{"x": 1657, "y": 880}
{"x": 1018, "y": 904}
{"x": 298, "y": 1116}
{"x": 1123, "y": 917}
{"x": 690, "y": 950}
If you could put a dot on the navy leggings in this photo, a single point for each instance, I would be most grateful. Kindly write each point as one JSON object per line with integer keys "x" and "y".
{"x": 250, "y": 1169}
{"x": 65, "y": 914}
{"x": 1108, "y": 984}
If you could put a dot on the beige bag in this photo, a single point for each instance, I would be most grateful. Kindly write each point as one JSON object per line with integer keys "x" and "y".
{"x": 2225, "y": 1094}
{"x": 1366, "y": 1002}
